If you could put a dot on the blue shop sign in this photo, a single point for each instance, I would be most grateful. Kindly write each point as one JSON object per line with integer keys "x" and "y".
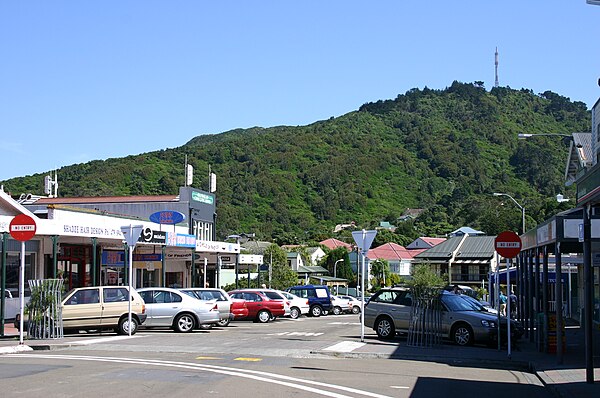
{"x": 167, "y": 217}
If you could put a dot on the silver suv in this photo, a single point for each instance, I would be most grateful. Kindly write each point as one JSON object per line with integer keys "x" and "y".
{"x": 463, "y": 320}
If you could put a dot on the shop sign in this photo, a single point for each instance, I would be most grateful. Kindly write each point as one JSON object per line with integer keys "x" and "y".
{"x": 170, "y": 217}
{"x": 217, "y": 247}
{"x": 113, "y": 258}
{"x": 203, "y": 198}
{"x": 147, "y": 257}
{"x": 181, "y": 240}
{"x": 150, "y": 236}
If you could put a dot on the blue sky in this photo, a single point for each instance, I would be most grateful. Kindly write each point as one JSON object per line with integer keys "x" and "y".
{"x": 86, "y": 80}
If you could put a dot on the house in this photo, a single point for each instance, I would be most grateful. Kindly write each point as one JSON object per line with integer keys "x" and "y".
{"x": 333, "y": 244}
{"x": 465, "y": 259}
{"x": 424, "y": 243}
{"x": 398, "y": 257}
{"x": 465, "y": 231}
{"x": 410, "y": 214}
{"x": 386, "y": 225}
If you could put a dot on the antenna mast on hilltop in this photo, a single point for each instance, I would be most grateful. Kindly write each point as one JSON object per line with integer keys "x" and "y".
{"x": 496, "y": 82}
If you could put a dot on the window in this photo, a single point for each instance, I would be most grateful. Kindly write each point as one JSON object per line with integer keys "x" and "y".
{"x": 386, "y": 297}
{"x": 115, "y": 295}
{"x": 87, "y": 296}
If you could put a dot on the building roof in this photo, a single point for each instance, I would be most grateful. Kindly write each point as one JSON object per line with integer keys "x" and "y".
{"x": 107, "y": 199}
{"x": 333, "y": 244}
{"x": 580, "y": 156}
{"x": 390, "y": 251}
{"x": 305, "y": 269}
{"x": 256, "y": 247}
{"x": 466, "y": 231}
{"x": 432, "y": 241}
{"x": 472, "y": 247}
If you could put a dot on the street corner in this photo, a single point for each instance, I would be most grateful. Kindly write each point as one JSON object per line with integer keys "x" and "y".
{"x": 15, "y": 349}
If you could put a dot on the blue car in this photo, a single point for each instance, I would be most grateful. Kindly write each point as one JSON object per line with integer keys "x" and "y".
{"x": 319, "y": 298}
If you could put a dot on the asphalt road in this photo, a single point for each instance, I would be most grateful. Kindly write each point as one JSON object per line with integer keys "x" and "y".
{"x": 244, "y": 360}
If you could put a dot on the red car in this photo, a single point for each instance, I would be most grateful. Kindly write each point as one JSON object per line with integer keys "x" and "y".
{"x": 260, "y": 307}
{"x": 239, "y": 308}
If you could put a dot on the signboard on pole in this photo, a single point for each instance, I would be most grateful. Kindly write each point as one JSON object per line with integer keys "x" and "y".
{"x": 508, "y": 244}
{"x": 364, "y": 239}
{"x": 22, "y": 228}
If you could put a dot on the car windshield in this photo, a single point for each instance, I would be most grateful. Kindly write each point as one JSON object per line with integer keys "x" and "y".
{"x": 459, "y": 303}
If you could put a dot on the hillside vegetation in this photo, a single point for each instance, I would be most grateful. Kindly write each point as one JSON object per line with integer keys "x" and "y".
{"x": 445, "y": 151}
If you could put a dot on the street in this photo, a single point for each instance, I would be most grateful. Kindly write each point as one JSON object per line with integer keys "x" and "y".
{"x": 245, "y": 359}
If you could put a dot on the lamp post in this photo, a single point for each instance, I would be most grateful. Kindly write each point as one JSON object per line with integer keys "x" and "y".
{"x": 517, "y": 203}
{"x": 335, "y": 273}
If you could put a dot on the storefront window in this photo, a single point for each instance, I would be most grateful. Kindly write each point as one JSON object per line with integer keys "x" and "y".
{"x": 13, "y": 266}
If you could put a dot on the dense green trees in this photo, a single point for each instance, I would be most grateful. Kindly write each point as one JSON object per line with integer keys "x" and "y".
{"x": 444, "y": 151}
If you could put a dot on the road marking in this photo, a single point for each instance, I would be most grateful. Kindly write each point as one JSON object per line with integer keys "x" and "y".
{"x": 266, "y": 377}
{"x": 296, "y": 334}
{"x": 103, "y": 340}
{"x": 344, "y": 346}
{"x": 344, "y": 323}
{"x": 399, "y": 387}
{"x": 248, "y": 359}
{"x": 202, "y": 358}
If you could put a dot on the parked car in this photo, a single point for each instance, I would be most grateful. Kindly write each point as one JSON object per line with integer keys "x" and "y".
{"x": 261, "y": 308}
{"x": 239, "y": 309}
{"x": 463, "y": 321}
{"x": 340, "y": 305}
{"x": 319, "y": 298}
{"x": 172, "y": 308}
{"x": 356, "y": 304}
{"x": 101, "y": 307}
{"x": 298, "y": 306}
{"x": 224, "y": 302}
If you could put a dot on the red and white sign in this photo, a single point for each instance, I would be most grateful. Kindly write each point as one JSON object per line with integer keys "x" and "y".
{"x": 22, "y": 227}
{"x": 508, "y": 244}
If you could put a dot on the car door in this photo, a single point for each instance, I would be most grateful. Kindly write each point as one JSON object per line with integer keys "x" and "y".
{"x": 165, "y": 307}
{"x": 254, "y": 303}
{"x": 114, "y": 304}
{"x": 82, "y": 309}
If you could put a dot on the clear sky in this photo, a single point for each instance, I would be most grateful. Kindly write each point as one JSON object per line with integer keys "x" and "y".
{"x": 86, "y": 80}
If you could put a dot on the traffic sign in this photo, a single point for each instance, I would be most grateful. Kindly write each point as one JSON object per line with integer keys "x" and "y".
{"x": 364, "y": 239}
{"x": 508, "y": 244}
{"x": 22, "y": 227}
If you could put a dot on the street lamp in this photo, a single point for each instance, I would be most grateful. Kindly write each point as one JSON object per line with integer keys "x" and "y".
{"x": 517, "y": 203}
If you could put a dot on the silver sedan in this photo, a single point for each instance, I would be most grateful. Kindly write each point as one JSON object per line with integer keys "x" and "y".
{"x": 171, "y": 308}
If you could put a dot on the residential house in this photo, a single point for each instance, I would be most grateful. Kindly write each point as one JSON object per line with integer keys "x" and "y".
{"x": 333, "y": 244}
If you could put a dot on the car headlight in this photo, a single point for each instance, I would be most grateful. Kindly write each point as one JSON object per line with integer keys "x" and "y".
{"x": 488, "y": 324}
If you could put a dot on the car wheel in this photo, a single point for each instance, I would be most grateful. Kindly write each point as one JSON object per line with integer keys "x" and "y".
{"x": 337, "y": 310}
{"x": 294, "y": 313}
{"x": 316, "y": 310}
{"x": 184, "y": 323}
{"x": 263, "y": 316}
{"x": 223, "y": 322}
{"x": 356, "y": 309}
{"x": 123, "y": 327}
{"x": 385, "y": 328}
{"x": 462, "y": 334}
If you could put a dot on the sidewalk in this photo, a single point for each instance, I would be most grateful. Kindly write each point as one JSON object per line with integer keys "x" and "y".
{"x": 566, "y": 380}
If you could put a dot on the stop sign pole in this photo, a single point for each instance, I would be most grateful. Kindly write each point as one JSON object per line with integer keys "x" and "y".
{"x": 508, "y": 245}
{"x": 22, "y": 228}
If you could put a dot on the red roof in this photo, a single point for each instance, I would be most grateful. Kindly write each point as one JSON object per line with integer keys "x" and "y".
{"x": 390, "y": 251}
{"x": 432, "y": 241}
{"x": 333, "y": 244}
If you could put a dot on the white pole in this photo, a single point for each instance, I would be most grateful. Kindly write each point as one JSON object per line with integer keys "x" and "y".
{"x": 508, "y": 305}
{"x": 497, "y": 300}
{"x": 21, "y": 292}
{"x": 205, "y": 263}
{"x": 362, "y": 294}
{"x": 570, "y": 313}
{"x": 130, "y": 281}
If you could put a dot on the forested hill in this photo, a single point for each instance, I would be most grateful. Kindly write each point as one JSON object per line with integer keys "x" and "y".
{"x": 445, "y": 151}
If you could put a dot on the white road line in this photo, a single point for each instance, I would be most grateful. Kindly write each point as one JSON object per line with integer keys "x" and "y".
{"x": 266, "y": 377}
{"x": 103, "y": 340}
{"x": 344, "y": 346}
{"x": 344, "y": 323}
{"x": 400, "y": 387}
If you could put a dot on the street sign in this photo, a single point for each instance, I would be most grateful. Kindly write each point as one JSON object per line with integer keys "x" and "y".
{"x": 167, "y": 217}
{"x": 508, "y": 244}
{"x": 22, "y": 227}
{"x": 364, "y": 239}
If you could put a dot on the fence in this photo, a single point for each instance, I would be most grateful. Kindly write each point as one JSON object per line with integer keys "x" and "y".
{"x": 425, "y": 329}
{"x": 44, "y": 308}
